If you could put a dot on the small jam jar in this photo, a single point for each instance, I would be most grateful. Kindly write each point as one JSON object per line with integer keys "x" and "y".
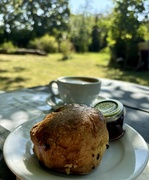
{"x": 113, "y": 111}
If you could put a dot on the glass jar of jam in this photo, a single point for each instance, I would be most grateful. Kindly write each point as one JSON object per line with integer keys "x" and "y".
{"x": 113, "y": 112}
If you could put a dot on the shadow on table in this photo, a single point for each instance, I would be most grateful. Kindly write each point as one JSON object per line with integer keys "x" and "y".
{"x": 136, "y": 102}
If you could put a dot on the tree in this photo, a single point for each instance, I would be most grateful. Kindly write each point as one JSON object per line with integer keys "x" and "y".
{"x": 125, "y": 31}
{"x": 100, "y": 28}
{"x": 95, "y": 35}
{"x": 80, "y": 28}
{"x": 45, "y": 16}
{"x": 10, "y": 12}
{"x": 34, "y": 17}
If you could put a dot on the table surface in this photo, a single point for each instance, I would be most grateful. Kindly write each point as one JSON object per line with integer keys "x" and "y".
{"x": 22, "y": 105}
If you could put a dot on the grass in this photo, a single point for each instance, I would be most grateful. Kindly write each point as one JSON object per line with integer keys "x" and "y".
{"x": 19, "y": 71}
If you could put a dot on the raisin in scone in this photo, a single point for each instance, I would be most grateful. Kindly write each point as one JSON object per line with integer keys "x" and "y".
{"x": 72, "y": 139}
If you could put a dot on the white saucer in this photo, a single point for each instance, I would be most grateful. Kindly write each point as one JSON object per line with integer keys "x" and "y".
{"x": 125, "y": 159}
{"x": 55, "y": 101}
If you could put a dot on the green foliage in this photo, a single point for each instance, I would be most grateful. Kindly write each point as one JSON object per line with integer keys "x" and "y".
{"x": 100, "y": 31}
{"x": 45, "y": 43}
{"x": 22, "y": 37}
{"x": 8, "y": 47}
{"x": 125, "y": 31}
{"x": 89, "y": 32}
{"x": 66, "y": 48}
{"x": 24, "y": 21}
{"x": 125, "y": 23}
{"x": 35, "y": 16}
{"x": 80, "y": 31}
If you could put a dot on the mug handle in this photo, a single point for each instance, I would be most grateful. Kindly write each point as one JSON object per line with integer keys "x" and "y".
{"x": 53, "y": 90}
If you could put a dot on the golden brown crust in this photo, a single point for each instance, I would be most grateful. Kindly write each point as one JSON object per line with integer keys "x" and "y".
{"x": 72, "y": 139}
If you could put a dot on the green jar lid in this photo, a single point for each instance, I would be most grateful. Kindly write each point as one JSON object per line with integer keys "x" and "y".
{"x": 110, "y": 108}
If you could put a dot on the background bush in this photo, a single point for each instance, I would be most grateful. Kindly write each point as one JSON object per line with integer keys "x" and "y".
{"x": 8, "y": 47}
{"x": 45, "y": 43}
{"x": 66, "y": 48}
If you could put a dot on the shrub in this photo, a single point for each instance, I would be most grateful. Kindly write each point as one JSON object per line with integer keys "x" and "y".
{"x": 66, "y": 48}
{"x": 8, "y": 47}
{"x": 45, "y": 43}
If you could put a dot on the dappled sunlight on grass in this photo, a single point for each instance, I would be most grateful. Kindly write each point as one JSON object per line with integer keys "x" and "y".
{"x": 18, "y": 71}
{"x": 129, "y": 76}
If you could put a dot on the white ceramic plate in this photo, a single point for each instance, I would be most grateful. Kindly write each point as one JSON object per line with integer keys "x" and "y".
{"x": 125, "y": 159}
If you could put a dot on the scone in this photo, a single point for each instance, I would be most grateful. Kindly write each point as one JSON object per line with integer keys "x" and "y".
{"x": 72, "y": 139}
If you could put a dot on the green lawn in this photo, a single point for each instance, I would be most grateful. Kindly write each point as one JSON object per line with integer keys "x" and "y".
{"x": 18, "y": 71}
